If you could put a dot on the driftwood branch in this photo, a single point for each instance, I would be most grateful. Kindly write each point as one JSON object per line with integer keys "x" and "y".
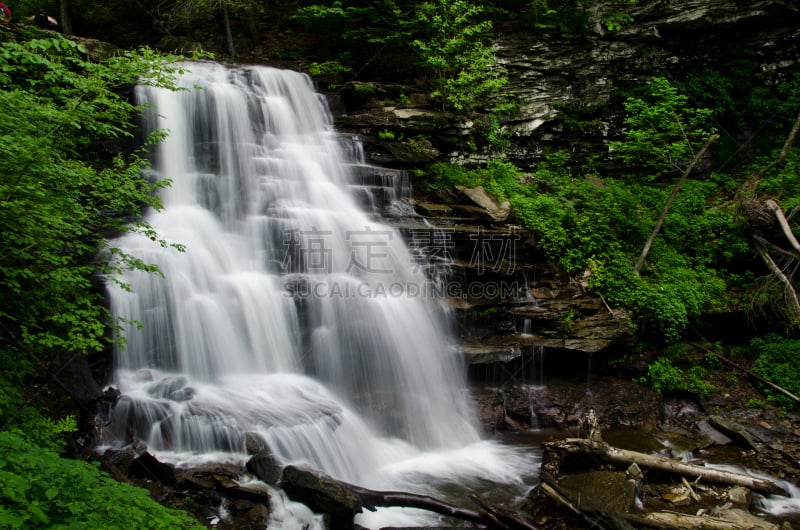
{"x": 605, "y": 452}
{"x": 778, "y": 273}
{"x": 784, "y": 224}
{"x": 624, "y": 456}
{"x": 590, "y": 443}
{"x": 759, "y": 214}
{"x": 682, "y": 521}
{"x": 769, "y": 244}
{"x": 671, "y": 199}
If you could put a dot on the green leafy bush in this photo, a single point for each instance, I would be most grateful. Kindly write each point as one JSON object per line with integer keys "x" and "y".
{"x": 664, "y": 376}
{"x": 41, "y": 490}
{"x": 548, "y": 217}
{"x": 778, "y": 362}
{"x": 663, "y": 131}
{"x": 452, "y": 41}
{"x": 63, "y": 195}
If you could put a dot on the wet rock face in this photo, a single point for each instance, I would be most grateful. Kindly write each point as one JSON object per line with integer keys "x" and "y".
{"x": 561, "y": 404}
{"x": 534, "y": 305}
{"x": 550, "y": 71}
{"x": 215, "y": 493}
{"x": 674, "y": 38}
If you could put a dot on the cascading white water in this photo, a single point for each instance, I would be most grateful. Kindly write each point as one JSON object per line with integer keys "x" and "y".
{"x": 292, "y": 313}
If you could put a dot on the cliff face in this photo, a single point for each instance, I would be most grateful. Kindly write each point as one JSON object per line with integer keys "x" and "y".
{"x": 552, "y": 75}
{"x": 550, "y": 72}
{"x": 666, "y": 38}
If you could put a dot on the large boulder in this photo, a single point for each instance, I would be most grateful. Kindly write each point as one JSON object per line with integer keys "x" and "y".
{"x": 484, "y": 204}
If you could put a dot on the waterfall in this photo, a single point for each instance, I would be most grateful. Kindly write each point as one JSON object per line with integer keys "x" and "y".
{"x": 293, "y": 313}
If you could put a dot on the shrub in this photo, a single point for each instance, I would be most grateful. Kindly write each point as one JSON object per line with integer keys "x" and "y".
{"x": 664, "y": 376}
{"x": 41, "y": 490}
{"x": 778, "y": 362}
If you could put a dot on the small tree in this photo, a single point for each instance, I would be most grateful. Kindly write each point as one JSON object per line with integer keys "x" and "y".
{"x": 63, "y": 192}
{"x": 61, "y": 195}
{"x": 663, "y": 133}
{"x": 452, "y": 42}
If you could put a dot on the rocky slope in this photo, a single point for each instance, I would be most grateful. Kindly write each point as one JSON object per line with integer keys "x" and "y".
{"x": 553, "y": 75}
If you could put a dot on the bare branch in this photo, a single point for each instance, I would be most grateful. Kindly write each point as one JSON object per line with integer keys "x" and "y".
{"x": 665, "y": 210}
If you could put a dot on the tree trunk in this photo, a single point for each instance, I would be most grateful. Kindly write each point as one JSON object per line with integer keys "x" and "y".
{"x": 784, "y": 224}
{"x": 228, "y": 33}
{"x": 487, "y": 515}
{"x": 553, "y": 451}
{"x": 342, "y": 501}
{"x": 66, "y": 22}
{"x": 681, "y": 521}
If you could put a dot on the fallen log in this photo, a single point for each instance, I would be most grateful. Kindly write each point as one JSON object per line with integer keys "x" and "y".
{"x": 601, "y": 450}
{"x": 343, "y": 501}
{"x": 487, "y": 515}
{"x": 682, "y": 521}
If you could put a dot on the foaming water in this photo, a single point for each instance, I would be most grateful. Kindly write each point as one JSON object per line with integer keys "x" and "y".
{"x": 776, "y": 505}
{"x": 290, "y": 314}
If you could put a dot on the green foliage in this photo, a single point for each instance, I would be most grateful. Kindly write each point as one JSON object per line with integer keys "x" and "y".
{"x": 664, "y": 376}
{"x": 329, "y": 67}
{"x": 594, "y": 226}
{"x": 62, "y": 195}
{"x": 364, "y": 88}
{"x": 452, "y": 41}
{"x": 663, "y": 133}
{"x": 442, "y": 175}
{"x": 447, "y": 43}
{"x": 565, "y": 17}
{"x": 782, "y": 182}
{"x": 548, "y": 217}
{"x": 41, "y": 490}
{"x": 778, "y": 362}
{"x": 357, "y": 33}
{"x": 754, "y": 403}
{"x": 541, "y": 12}
{"x": 572, "y": 17}
{"x": 614, "y": 20}
{"x": 498, "y": 178}
{"x": 746, "y": 96}
{"x": 59, "y": 195}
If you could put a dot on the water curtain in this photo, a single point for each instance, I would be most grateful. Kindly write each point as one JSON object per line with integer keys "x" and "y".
{"x": 294, "y": 312}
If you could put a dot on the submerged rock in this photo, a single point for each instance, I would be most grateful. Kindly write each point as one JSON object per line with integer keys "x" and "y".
{"x": 265, "y": 466}
{"x": 603, "y": 491}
